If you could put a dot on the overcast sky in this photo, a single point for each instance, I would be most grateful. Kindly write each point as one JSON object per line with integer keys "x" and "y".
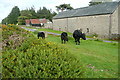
{"x": 7, "y": 5}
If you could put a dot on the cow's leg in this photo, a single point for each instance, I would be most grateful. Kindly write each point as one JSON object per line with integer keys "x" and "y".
{"x": 78, "y": 41}
{"x": 43, "y": 37}
{"x": 62, "y": 41}
{"x": 75, "y": 40}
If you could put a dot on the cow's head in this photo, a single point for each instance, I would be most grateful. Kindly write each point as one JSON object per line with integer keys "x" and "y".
{"x": 83, "y": 36}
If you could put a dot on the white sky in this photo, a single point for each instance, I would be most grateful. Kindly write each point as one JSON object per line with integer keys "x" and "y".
{"x": 7, "y": 5}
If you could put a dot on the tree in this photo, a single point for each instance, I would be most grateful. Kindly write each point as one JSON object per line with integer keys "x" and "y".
{"x": 51, "y": 15}
{"x": 13, "y": 16}
{"x": 95, "y": 2}
{"x": 26, "y": 13}
{"x": 39, "y": 12}
{"x": 4, "y": 21}
{"x": 30, "y": 13}
{"x": 21, "y": 20}
{"x": 33, "y": 13}
{"x": 19, "y": 17}
{"x": 63, "y": 7}
{"x": 45, "y": 13}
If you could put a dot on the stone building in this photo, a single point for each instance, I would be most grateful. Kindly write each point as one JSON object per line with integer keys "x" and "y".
{"x": 101, "y": 19}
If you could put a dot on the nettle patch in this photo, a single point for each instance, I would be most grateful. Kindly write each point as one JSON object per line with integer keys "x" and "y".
{"x": 37, "y": 58}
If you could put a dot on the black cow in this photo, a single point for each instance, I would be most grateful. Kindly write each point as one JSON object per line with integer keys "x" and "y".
{"x": 41, "y": 34}
{"x": 77, "y": 34}
{"x": 64, "y": 37}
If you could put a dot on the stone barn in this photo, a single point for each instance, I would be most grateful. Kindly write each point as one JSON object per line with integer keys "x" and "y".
{"x": 101, "y": 19}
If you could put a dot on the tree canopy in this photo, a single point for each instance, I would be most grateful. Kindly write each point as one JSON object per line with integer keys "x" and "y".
{"x": 95, "y": 2}
{"x": 21, "y": 20}
{"x": 12, "y": 17}
{"x": 17, "y": 16}
{"x": 63, "y": 7}
{"x": 45, "y": 13}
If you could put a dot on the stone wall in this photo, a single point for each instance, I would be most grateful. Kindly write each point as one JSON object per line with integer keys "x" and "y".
{"x": 119, "y": 19}
{"x": 60, "y": 24}
{"x": 115, "y": 31}
{"x": 103, "y": 25}
{"x": 49, "y": 25}
{"x": 114, "y": 22}
{"x": 98, "y": 24}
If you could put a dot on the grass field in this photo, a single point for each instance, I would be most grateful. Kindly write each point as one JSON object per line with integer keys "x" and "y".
{"x": 97, "y": 59}
{"x": 100, "y": 58}
{"x": 48, "y": 30}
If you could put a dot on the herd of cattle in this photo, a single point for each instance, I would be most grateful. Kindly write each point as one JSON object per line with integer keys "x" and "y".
{"x": 77, "y": 34}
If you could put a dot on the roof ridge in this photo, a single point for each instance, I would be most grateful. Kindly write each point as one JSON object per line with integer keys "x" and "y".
{"x": 103, "y": 8}
{"x": 94, "y": 5}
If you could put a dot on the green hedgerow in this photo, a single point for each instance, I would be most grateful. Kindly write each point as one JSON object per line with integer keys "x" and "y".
{"x": 37, "y": 58}
{"x": 41, "y": 59}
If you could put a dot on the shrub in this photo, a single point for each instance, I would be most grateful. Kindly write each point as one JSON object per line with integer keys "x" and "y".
{"x": 41, "y": 59}
{"x": 13, "y": 36}
{"x": 37, "y": 58}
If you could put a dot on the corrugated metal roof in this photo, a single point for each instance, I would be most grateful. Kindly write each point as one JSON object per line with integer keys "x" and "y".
{"x": 104, "y": 8}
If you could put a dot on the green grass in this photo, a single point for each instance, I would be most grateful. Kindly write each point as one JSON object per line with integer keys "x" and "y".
{"x": 100, "y": 55}
{"x": 48, "y": 30}
{"x": 59, "y": 32}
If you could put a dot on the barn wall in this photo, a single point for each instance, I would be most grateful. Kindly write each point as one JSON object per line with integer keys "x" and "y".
{"x": 114, "y": 29}
{"x": 98, "y": 24}
{"x": 72, "y": 24}
{"x": 49, "y": 25}
{"x": 115, "y": 24}
{"x": 119, "y": 19}
{"x": 60, "y": 24}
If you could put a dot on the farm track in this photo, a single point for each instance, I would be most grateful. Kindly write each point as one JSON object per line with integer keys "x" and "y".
{"x": 68, "y": 35}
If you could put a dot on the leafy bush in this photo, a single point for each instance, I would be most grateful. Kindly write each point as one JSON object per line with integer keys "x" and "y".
{"x": 41, "y": 59}
{"x": 13, "y": 36}
{"x": 37, "y": 58}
